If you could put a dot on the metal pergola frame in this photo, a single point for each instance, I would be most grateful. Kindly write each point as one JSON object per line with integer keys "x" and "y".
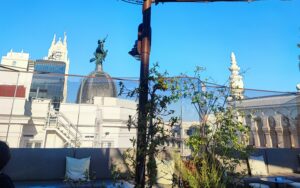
{"x": 142, "y": 53}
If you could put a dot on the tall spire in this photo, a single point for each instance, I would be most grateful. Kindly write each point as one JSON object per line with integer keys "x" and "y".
{"x": 58, "y": 51}
{"x": 234, "y": 68}
{"x": 54, "y": 40}
{"x": 65, "y": 39}
{"x": 236, "y": 80}
{"x": 233, "y": 59}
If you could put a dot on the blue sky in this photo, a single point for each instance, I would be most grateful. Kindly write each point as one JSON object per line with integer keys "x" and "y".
{"x": 262, "y": 34}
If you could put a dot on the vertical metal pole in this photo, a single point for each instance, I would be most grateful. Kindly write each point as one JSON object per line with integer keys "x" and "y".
{"x": 180, "y": 128}
{"x": 48, "y": 118}
{"x": 143, "y": 97}
{"x": 78, "y": 115}
{"x": 37, "y": 92}
{"x": 12, "y": 107}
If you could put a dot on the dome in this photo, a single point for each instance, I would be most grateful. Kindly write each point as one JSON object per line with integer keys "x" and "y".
{"x": 298, "y": 87}
{"x": 97, "y": 84}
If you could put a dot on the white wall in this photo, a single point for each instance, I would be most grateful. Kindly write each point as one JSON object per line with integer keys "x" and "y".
{"x": 112, "y": 120}
{"x": 106, "y": 123}
{"x": 19, "y": 62}
{"x": 53, "y": 140}
{"x": 14, "y": 136}
{"x": 11, "y": 78}
{"x": 6, "y": 106}
{"x": 87, "y": 113}
{"x": 40, "y": 107}
{"x": 15, "y": 59}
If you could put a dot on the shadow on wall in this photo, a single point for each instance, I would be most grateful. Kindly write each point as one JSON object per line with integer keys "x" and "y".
{"x": 27, "y": 133}
{"x": 27, "y": 108}
{"x": 280, "y": 161}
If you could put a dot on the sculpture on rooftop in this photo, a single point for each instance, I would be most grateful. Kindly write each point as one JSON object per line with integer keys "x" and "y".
{"x": 99, "y": 54}
{"x": 98, "y": 83}
{"x": 236, "y": 80}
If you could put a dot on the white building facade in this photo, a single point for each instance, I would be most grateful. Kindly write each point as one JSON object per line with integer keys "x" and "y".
{"x": 34, "y": 123}
{"x": 10, "y": 64}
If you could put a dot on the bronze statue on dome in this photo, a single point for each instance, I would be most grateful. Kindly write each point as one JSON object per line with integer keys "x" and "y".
{"x": 100, "y": 53}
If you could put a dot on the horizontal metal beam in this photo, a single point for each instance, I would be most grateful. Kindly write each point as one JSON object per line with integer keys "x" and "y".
{"x": 200, "y": 1}
{"x": 140, "y": 2}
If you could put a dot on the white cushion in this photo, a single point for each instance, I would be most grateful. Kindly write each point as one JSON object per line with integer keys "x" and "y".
{"x": 77, "y": 169}
{"x": 258, "y": 185}
{"x": 257, "y": 166}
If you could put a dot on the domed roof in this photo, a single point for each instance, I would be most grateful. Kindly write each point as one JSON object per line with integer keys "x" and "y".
{"x": 97, "y": 84}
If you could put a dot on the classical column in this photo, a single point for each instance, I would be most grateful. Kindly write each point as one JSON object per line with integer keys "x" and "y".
{"x": 279, "y": 130}
{"x": 294, "y": 134}
{"x": 255, "y": 133}
{"x": 266, "y": 130}
{"x": 251, "y": 139}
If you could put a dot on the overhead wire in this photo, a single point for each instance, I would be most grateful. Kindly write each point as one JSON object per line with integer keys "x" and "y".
{"x": 135, "y": 79}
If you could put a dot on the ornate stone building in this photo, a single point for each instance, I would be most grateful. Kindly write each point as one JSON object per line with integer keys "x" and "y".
{"x": 274, "y": 120}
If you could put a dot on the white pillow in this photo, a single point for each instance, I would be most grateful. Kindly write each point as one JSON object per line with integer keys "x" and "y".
{"x": 77, "y": 169}
{"x": 257, "y": 166}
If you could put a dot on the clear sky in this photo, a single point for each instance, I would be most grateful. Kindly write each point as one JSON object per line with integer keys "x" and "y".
{"x": 263, "y": 35}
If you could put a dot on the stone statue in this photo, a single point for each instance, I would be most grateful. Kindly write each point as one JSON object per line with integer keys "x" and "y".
{"x": 100, "y": 53}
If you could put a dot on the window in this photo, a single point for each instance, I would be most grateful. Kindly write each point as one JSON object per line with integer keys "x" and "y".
{"x": 107, "y": 144}
{"x": 179, "y": 144}
{"x": 33, "y": 144}
{"x": 38, "y": 145}
{"x": 89, "y": 137}
{"x": 191, "y": 131}
{"x": 28, "y": 145}
{"x": 27, "y": 135}
{"x": 188, "y": 132}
